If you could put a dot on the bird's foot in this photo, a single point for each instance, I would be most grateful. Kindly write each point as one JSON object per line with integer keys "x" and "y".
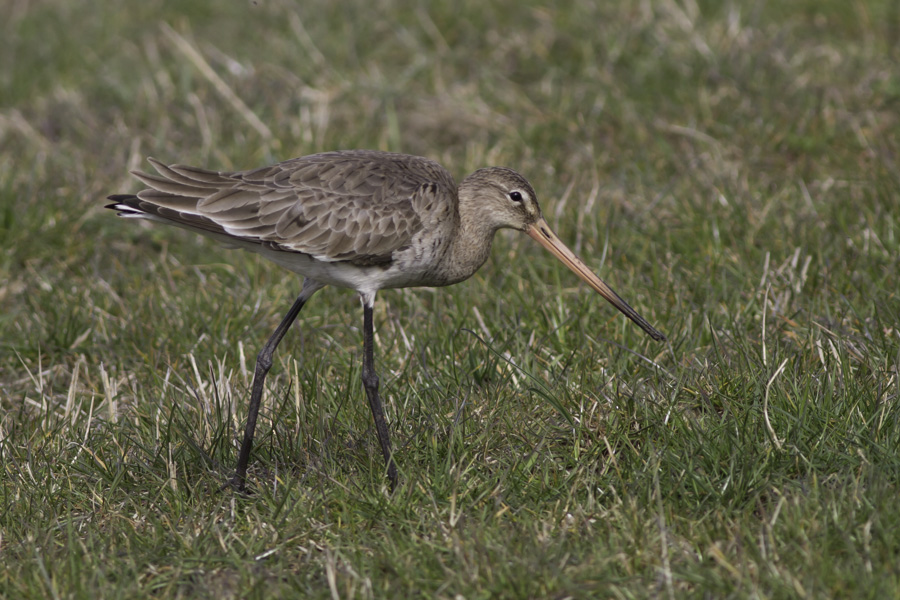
{"x": 236, "y": 484}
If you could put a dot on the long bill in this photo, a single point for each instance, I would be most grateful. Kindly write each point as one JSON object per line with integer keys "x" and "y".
{"x": 541, "y": 232}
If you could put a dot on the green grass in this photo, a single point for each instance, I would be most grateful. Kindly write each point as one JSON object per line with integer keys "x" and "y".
{"x": 730, "y": 168}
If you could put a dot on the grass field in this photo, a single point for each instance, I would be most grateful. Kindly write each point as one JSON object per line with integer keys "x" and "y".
{"x": 731, "y": 168}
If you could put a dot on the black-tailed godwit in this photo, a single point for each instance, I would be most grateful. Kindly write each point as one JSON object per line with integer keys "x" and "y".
{"x": 357, "y": 219}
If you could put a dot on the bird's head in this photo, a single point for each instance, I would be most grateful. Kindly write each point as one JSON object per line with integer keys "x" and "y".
{"x": 504, "y": 199}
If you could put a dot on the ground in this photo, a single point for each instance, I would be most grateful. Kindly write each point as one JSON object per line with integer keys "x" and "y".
{"x": 730, "y": 168}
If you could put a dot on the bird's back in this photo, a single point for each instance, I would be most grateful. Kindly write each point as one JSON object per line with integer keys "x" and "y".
{"x": 359, "y": 206}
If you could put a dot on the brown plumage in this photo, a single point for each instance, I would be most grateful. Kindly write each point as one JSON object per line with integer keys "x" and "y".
{"x": 359, "y": 219}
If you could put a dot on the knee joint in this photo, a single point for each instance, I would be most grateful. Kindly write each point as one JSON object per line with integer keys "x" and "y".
{"x": 370, "y": 379}
{"x": 264, "y": 360}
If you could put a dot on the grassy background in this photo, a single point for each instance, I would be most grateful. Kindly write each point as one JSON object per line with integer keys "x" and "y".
{"x": 731, "y": 168}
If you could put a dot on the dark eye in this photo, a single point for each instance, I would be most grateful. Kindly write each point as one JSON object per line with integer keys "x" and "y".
{"x": 515, "y": 196}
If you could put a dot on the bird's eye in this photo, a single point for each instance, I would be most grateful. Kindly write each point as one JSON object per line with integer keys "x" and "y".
{"x": 515, "y": 196}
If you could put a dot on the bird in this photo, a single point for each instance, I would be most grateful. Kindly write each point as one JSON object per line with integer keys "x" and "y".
{"x": 365, "y": 220}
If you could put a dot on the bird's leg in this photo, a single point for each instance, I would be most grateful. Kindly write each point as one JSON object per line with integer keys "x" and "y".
{"x": 370, "y": 383}
{"x": 263, "y": 364}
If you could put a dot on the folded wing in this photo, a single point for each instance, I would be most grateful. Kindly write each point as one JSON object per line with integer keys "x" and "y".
{"x": 347, "y": 206}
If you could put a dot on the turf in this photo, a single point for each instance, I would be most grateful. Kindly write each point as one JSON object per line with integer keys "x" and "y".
{"x": 730, "y": 168}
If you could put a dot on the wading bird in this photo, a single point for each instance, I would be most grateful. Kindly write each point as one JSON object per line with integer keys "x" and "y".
{"x": 357, "y": 219}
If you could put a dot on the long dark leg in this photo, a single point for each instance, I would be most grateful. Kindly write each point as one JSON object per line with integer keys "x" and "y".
{"x": 370, "y": 383}
{"x": 263, "y": 364}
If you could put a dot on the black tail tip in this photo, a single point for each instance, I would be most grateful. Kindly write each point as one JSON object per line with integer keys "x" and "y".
{"x": 118, "y": 199}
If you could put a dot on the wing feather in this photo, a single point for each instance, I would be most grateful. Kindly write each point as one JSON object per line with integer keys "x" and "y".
{"x": 358, "y": 206}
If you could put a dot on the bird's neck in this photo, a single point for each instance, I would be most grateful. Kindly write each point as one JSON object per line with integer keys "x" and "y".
{"x": 471, "y": 246}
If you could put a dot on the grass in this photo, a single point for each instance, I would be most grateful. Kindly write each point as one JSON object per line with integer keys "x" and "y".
{"x": 730, "y": 168}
